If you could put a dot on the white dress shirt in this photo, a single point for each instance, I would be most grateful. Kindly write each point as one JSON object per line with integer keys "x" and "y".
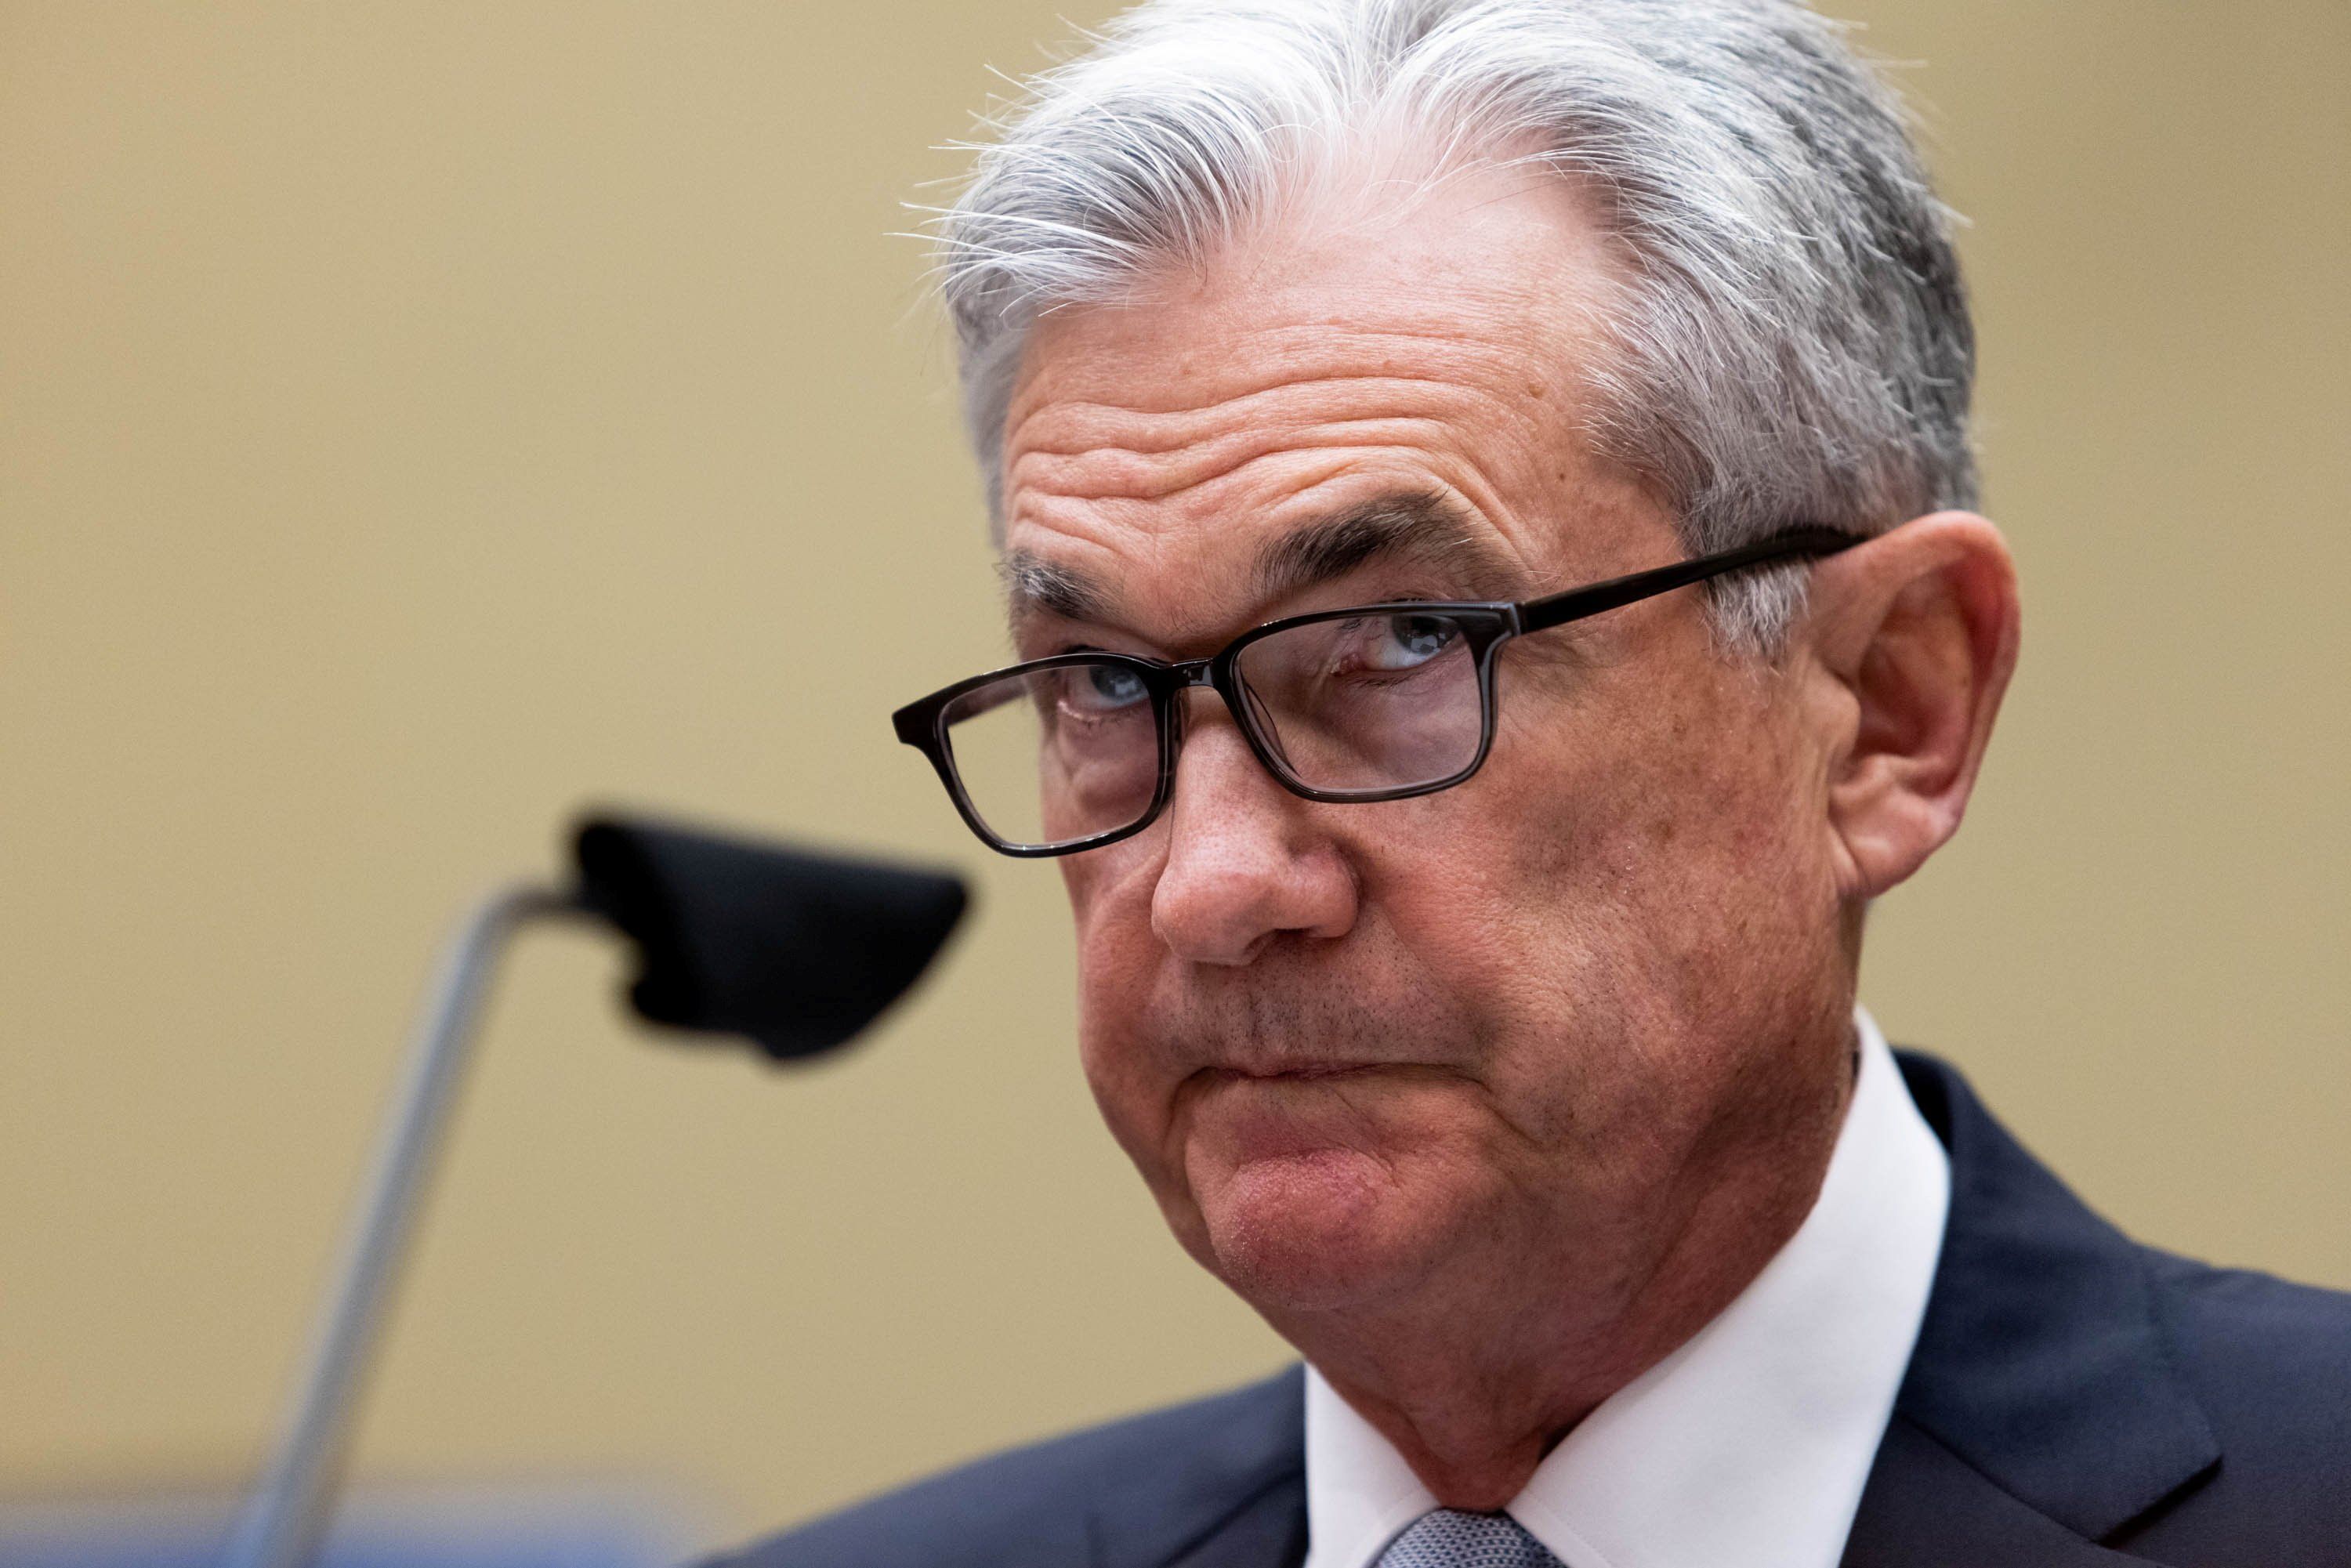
{"x": 1750, "y": 1444}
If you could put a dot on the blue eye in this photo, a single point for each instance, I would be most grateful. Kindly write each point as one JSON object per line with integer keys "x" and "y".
{"x": 1111, "y": 686}
{"x": 1410, "y": 639}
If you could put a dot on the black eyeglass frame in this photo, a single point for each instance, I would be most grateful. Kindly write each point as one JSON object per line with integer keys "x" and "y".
{"x": 1487, "y": 625}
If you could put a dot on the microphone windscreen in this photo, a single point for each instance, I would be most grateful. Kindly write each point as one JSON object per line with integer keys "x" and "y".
{"x": 795, "y": 951}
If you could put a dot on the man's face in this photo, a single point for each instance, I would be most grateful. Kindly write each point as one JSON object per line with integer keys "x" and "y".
{"x": 1370, "y": 1053}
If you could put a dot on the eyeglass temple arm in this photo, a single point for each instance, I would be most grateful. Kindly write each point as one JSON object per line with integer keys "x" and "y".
{"x": 1535, "y": 615}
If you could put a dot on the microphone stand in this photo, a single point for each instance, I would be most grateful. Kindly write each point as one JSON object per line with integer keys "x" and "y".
{"x": 790, "y": 951}
{"x": 288, "y": 1515}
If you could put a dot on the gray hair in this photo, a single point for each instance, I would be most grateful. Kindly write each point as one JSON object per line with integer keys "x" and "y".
{"x": 1792, "y": 341}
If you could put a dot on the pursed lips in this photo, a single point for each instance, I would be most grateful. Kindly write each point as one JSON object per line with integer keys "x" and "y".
{"x": 1303, "y": 1071}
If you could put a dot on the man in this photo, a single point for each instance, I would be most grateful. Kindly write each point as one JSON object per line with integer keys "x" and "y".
{"x": 1467, "y": 952}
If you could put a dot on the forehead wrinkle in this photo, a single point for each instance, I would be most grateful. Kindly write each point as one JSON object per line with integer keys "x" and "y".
{"x": 1153, "y": 381}
{"x": 1140, "y": 463}
{"x": 1150, "y": 380}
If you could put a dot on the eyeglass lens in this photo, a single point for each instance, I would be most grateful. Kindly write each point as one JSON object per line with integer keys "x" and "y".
{"x": 1057, "y": 755}
{"x": 1368, "y": 702}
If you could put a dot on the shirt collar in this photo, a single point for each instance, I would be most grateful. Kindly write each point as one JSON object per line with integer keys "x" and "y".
{"x": 1752, "y": 1442}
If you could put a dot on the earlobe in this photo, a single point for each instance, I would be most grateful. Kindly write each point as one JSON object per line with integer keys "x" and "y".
{"x": 1919, "y": 627}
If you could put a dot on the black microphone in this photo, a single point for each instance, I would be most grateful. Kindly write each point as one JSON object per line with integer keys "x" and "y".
{"x": 793, "y": 951}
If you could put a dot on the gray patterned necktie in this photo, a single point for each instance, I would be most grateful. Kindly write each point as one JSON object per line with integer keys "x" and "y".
{"x": 1448, "y": 1537}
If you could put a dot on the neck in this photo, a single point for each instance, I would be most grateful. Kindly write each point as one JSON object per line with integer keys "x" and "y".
{"x": 1475, "y": 1380}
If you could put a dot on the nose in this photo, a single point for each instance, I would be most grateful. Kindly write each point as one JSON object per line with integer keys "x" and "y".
{"x": 1246, "y": 861}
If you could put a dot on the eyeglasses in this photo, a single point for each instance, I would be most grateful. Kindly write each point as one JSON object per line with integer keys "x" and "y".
{"x": 1381, "y": 702}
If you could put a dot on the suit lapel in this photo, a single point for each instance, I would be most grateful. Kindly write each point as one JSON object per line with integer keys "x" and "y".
{"x": 1270, "y": 1532}
{"x": 1927, "y": 1507}
{"x": 1237, "y": 1500}
{"x": 2043, "y": 1386}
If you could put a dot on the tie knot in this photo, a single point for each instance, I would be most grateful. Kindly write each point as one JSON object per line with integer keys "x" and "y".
{"x": 1448, "y": 1537}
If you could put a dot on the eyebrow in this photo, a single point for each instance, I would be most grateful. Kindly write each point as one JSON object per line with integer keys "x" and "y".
{"x": 1412, "y": 526}
{"x": 1415, "y": 528}
{"x": 1034, "y": 586}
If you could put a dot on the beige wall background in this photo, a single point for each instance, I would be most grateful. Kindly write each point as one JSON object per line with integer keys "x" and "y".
{"x": 418, "y": 419}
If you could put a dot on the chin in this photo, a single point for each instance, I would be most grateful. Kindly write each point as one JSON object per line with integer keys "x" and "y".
{"x": 1316, "y": 1231}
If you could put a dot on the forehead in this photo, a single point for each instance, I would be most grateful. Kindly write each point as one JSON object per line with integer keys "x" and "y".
{"x": 1360, "y": 350}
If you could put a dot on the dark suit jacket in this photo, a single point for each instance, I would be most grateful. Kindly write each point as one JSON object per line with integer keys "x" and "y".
{"x": 2074, "y": 1400}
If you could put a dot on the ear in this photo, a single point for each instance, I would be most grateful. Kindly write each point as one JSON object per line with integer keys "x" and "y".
{"x": 1918, "y": 631}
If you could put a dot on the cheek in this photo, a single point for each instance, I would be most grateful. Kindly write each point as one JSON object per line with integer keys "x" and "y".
{"x": 1671, "y": 791}
{"x": 1726, "y": 840}
{"x": 1110, "y": 909}
{"x": 1709, "y": 880}
{"x": 1119, "y": 963}
{"x": 1490, "y": 940}
{"x": 1630, "y": 897}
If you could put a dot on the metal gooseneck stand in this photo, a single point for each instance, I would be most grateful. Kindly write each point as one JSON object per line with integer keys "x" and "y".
{"x": 792, "y": 951}
{"x": 288, "y": 1514}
